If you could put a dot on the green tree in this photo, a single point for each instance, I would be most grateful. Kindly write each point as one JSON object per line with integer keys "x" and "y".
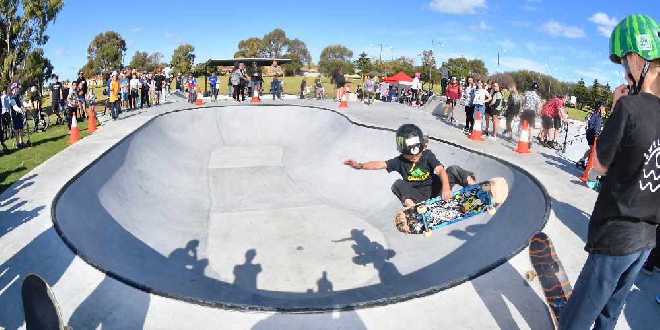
{"x": 183, "y": 58}
{"x": 336, "y": 56}
{"x": 250, "y": 48}
{"x": 275, "y": 43}
{"x": 106, "y": 52}
{"x": 23, "y": 26}
{"x": 36, "y": 69}
{"x": 462, "y": 68}
{"x": 581, "y": 94}
{"x": 363, "y": 62}
{"x": 140, "y": 60}
{"x": 298, "y": 52}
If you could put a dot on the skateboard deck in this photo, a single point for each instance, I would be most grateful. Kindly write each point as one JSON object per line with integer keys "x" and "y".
{"x": 429, "y": 215}
{"x": 39, "y": 305}
{"x": 550, "y": 272}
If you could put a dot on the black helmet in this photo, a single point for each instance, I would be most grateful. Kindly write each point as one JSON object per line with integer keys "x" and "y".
{"x": 409, "y": 139}
{"x": 534, "y": 86}
{"x": 599, "y": 103}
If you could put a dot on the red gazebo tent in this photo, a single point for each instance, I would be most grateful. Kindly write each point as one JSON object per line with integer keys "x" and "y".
{"x": 401, "y": 76}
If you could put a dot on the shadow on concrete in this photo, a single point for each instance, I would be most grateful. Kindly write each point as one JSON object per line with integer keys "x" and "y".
{"x": 368, "y": 252}
{"x": 562, "y": 164}
{"x": 503, "y": 284}
{"x": 13, "y": 213}
{"x": 575, "y": 219}
{"x": 338, "y": 320}
{"x": 46, "y": 256}
{"x": 641, "y": 309}
{"x": 245, "y": 275}
{"x": 112, "y": 305}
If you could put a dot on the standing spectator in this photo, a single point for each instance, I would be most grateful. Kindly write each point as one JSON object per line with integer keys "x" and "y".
{"x": 494, "y": 109}
{"x": 72, "y": 105}
{"x": 275, "y": 69}
{"x": 82, "y": 93}
{"x": 159, "y": 82}
{"x": 255, "y": 77}
{"x": 17, "y": 113}
{"x": 340, "y": 81}
{"x": 275, "y": 87}
{"x": 235, "y": 81}
{"x": 244, "y": 80}
{"x": 56, "y": 95}
{"x": 531, "y": 106}
{"x": 303, "y": 85}
{"x": 123, "y": 82}
{"x": 144, "y": 91}
{"x": 481, "y": 98}
{"x": 453, "y": 94}
{"x": 135, "y": 90}
{"x": 468, "y": 95}
{"x": 334, "y": 79}
{"x": 513, "y": 109}
{"x": 318, "y": 88}
{"x": 370, "y": 89}
{"x": 179, "y": 82}
{"x": 191, "y": 84}
{"x": 622, "y": 227}
{"x": 113, "y": 95}
{"x": 230, "y": 88}
{"x": 551, "y": 118}
{"x": 168, "y": 80}
{"x": 35, "y": 101}
{"x": 594, "y": 124}
{"x": 416, "y": 86}
{"x": 4, "y": 119}
{"x": 152, "y": 89}
{"x": 213, "y": 83}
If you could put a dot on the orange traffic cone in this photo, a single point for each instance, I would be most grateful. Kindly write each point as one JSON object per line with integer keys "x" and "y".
{"x": 198, "y": 101}
{"x": 523, "y": 142}
{"x": 476, "y": 133}
{"x": 91, "y": 125}
{"x": 344, "y": 101}
{"x": 255, "y": 95}
{"x": 75, "y": 133}
{"x": 590, "y": 162}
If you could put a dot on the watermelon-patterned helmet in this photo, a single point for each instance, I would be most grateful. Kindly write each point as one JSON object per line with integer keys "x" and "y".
{"x": 637, "y": 34}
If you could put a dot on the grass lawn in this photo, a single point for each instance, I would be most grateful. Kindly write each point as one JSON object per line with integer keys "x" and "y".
{"x": 17, "y": 163}
{"x": 576, "y": 114}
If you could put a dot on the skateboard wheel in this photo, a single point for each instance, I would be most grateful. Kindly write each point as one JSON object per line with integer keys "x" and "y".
{"x": 428, "y": 233}
{"x": 422, "y": 209}
{"x": 530, "y": 275}
{"x": 492, "y": 211}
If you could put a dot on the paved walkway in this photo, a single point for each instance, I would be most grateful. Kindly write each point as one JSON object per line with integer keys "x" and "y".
{"x": 89, "y": 299}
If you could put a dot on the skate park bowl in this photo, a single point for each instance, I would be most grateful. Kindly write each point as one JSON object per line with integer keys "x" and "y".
{"x": 251, "y": 208}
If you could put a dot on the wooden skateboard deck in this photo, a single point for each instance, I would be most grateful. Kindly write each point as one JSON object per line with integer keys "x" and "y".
{"x": 550, "y": 272}
{"x": 39, "y": 305}
{"x": 424, "y": 217}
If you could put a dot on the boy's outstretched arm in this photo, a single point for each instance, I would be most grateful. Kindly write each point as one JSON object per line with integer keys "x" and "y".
{"x": 446, "y": 189}
{"x": 374, "y": 165}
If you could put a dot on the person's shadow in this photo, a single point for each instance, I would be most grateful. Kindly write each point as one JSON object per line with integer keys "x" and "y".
{"x": 368, "y": 252}
{"x": 503, "y": 284}
{"x": 187, "y": 258}
{"x": 323, "y": 284}
{"x": 245, "y": 275}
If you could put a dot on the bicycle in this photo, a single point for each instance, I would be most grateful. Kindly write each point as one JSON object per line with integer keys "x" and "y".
{"x": 41, "y": 118}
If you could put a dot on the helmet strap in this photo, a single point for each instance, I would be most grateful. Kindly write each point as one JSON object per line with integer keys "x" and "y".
{"x": 636, "y": 86}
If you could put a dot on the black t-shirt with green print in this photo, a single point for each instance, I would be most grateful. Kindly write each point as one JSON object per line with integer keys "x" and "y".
{"x": 420, "y": 174}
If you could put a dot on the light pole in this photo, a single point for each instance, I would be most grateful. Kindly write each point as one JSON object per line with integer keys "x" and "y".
{"x": 380, "y": 57}
{"x": 550, "y": 68}
{"x": 498, "y": 61}
{"x": 436, "y": 42}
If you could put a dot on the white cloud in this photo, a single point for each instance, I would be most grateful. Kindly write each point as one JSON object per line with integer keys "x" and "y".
{"x": 459, "y": 7}
{"x": 592, "y": 73}
{"x": 520, "y": 24}
{"x": 557, "y": 29}
{"x": 465, "y": 38}
{"x": 168, "y": 36}
{"x": 604, "y": 23}
{"x": 519, "y": 63}
{"x": 507, "y": 44}
{"x": 528, "y": 7}
{"x": 136, "y": 30}
{"x": 482, "y": 26}
{"x": 61, "y": 52}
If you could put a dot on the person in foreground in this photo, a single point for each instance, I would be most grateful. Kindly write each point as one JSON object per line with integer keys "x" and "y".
{"x": 623, "y": 222}
{"x": 423, "y": 176}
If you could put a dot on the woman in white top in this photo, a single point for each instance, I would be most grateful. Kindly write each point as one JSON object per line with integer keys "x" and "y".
{"x": 416, "y": 86}
{"x": 481, "y": 97}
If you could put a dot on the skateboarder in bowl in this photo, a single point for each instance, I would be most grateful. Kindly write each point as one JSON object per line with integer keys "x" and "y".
{"x": 423, "y": 176}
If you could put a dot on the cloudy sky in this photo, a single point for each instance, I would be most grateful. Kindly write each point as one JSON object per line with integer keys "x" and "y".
{"x": 565, "y": 38}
